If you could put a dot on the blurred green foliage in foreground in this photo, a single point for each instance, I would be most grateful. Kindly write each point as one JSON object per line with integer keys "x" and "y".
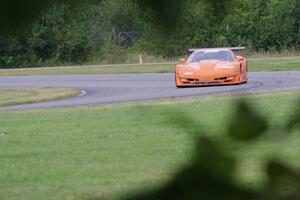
{"x": 204, "y": 23}
{"x": 210, "y": 175}
{"x": 109, "y": 152}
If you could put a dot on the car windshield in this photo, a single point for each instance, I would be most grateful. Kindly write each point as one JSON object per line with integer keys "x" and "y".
{"x": 217, "y": 55}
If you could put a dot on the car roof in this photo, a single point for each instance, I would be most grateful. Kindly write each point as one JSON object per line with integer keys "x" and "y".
{"x": 217, "y": 49}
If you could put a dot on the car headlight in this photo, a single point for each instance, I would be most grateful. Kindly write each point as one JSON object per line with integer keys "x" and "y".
{"x": 185, "y": 73}
{"x": 188, "y": 73}
{"x": 192, "y": 66}
{"x": 224, "y": 67}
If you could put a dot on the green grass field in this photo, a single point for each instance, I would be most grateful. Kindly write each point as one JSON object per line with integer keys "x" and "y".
{"x": 111, "y": 151}
{"x": 275, "y": 65}
{"x": 286, "y": 64}
{"x": 10, "y": 96}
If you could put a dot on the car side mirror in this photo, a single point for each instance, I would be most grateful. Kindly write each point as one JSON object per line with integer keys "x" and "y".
{"x": 182, "y": 60}
{"x": 240, "y": 58}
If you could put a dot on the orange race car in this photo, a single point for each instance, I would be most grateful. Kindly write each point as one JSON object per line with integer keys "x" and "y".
{"x": 213, "y": 66}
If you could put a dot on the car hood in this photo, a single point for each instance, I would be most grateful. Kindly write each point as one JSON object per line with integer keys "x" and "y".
{"x": 210, "y": 64}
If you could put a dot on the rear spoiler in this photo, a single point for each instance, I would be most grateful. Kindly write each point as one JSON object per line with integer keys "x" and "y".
{"x": 237, "y": 48}
{"x": 231, "y": 48}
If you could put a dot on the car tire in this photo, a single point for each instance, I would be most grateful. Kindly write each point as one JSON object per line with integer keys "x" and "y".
{"x": 246, "y": 73}
{"x": 176, "y": 82}
{"x": 246, "y": 78}
{"x": 241, "y": 75}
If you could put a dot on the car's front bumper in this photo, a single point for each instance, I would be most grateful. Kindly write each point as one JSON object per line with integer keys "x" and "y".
{"x": 192, "y": 80}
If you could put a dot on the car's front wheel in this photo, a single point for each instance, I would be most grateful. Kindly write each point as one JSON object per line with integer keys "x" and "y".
{"x": 177, "y": 85}
{"x": 176, "y": 80}
{"x": 246, "y": 80}
{"x": 241, "y": 75}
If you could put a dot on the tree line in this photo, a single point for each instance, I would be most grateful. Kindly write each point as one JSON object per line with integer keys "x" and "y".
{"x": 108, "y": 30}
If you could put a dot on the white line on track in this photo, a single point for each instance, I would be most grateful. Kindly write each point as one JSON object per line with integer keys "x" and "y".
{"x": 82, "y": 93}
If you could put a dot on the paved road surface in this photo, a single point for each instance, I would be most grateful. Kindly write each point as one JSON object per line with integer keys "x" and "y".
{"x": 117, "y": 88}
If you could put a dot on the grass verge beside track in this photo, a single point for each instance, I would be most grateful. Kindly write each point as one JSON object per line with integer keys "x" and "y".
{"x": 105, "y": 152}
{"x": 292, "y": 64}
{"x": 10, "y": 96}
{"x": 284, "y": 64}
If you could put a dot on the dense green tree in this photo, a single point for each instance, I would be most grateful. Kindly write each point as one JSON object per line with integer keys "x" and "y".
{"x": 66, "y": 33}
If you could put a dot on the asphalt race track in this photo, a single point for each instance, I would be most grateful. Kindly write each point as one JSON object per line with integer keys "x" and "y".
{"x": 119, "y": 88}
